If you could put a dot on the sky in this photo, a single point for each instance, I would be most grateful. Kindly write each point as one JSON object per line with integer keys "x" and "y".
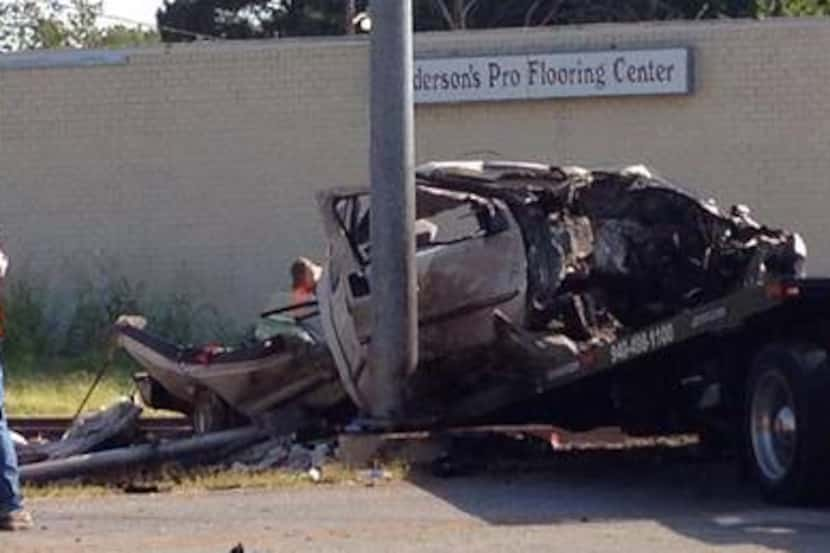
{"x": 143, "y": 11}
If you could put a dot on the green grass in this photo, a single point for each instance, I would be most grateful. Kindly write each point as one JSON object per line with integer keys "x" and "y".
{"x": 60, "y": 395}
{"x": 56, "y": 387}
{"x": 199, "y": 480}
{"x": 56, "y": 342}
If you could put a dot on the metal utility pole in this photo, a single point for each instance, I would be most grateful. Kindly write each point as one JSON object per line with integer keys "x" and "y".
{"x": 459, "y": 14}
{"x": 394, "y": 345}
{"x": 349, "y": 13}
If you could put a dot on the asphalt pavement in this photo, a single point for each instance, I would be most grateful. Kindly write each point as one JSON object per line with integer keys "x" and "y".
{"x": 607, "y": 502}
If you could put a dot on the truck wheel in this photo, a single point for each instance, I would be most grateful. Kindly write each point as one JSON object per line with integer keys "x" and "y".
{"x": 787, "y": 422}
{"x": 210, "y": 413}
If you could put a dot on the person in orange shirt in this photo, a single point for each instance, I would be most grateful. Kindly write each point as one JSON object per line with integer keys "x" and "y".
{"x": 304, "y": 277}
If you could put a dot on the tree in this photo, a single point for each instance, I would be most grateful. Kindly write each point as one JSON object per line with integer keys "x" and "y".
{"x": 37, "y": 24}
{"x": 461, "y": 14}
{"x": 238, "y": 19}
{"x": 20, "y": 26}
{"x": 183, "y": 20}
{"x": 793, "y": 7}
{"x": 30, "y": 24}
{"x": 121, "y": 36}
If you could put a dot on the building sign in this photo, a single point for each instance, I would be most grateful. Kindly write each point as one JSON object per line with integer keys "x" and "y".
{"x": 568, "y": 75}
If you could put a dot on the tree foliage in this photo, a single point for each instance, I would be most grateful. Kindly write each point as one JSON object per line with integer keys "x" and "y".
{"x": 121, "y": 36}
{"x": 36, "y": 24}
{"x": 27, "y": 24}
{"x": 32, "y": 24}
{"x": 190, "y": 19}
{"x": 241, "y": 19}
{"x": 459, "y": 14}
{"x": 793, "y": 8}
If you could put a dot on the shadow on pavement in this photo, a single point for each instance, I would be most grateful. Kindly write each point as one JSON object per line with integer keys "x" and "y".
{"x": 705, "y": 500}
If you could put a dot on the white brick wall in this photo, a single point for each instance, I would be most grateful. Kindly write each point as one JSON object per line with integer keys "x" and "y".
{"x": 199, "y": 163}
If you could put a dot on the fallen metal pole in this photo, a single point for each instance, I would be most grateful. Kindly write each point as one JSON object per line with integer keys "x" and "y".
{"x": 80, "y": 465}
{"x": 393, "y": 280}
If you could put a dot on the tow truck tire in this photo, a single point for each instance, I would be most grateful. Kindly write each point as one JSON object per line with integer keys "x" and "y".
{"x": 210, "y": 413}
{"x": 787, "y": 423}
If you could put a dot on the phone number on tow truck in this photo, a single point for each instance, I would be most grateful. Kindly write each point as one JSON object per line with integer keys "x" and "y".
{"x": 642, "y": 343}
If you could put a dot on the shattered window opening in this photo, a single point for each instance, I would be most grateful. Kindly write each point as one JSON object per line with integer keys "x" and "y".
{"x": 445, "y": 221}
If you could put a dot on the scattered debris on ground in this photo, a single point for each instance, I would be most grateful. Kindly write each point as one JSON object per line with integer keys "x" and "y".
{"x": 282, "y": 452}
{"x": 108, "y": 447}
{"x": 105, "y": 443}
{"x": 112, "y": 427}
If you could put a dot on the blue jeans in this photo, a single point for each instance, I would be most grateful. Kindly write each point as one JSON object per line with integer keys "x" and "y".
{"x": 10, "y": 498}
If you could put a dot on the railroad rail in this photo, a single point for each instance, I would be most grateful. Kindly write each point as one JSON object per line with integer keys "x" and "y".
{"x": 52, "y": 427}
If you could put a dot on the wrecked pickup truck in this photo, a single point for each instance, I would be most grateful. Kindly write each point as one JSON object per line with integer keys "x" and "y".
{"x": 586, "y": 298}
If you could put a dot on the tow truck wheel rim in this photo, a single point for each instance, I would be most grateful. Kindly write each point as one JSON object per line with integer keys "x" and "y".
{"x": 774, "y": 425}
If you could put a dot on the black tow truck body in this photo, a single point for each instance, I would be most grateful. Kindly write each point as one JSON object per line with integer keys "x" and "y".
{"x": 748, "y": 373}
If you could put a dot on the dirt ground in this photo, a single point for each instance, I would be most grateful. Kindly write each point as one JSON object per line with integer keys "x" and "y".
{"x": 608, "y": 503}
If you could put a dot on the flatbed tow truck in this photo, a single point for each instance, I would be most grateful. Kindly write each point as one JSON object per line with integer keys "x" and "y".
{"x": 662, "y": 315}
{"x": 765, "y": 352}
{"x": 760, "y": 360}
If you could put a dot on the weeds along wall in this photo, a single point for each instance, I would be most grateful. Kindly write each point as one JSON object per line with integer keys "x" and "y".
{"x": 195, "y": 167}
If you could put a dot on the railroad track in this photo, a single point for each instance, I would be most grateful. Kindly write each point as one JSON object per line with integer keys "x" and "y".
{"x": 53, "y": 427}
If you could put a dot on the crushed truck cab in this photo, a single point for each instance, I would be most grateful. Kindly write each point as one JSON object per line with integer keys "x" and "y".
{"x": 524, "y": 265}
{"x": 586, "y": 298}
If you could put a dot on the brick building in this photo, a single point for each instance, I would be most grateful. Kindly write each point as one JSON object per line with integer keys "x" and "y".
{"x": 195, "y": 166}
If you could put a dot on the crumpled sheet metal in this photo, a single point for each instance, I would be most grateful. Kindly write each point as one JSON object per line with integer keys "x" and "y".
{"x": 625, "y": 246}
{"x": 564, "y": 259}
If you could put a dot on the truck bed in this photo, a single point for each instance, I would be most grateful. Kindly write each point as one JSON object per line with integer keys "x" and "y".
{"x": 791, "y": 301}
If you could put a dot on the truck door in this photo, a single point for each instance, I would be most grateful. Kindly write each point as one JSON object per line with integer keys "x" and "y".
{"x": 343, "y": 290}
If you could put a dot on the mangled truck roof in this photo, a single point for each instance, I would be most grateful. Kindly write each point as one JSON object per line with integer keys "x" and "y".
{"x": 628, "y": 228}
